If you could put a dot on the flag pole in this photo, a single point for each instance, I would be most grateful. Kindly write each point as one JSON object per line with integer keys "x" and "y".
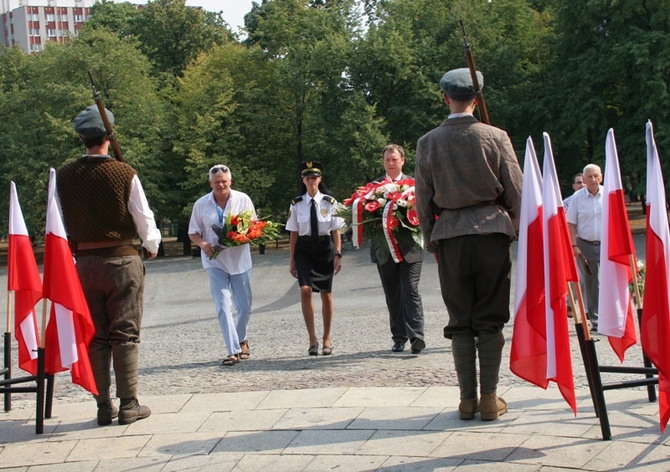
{"x": 9, "y": 311}
{"x": 7, "y": 368}
{"x": 44, "y": 322}
{"x": 578, "y": 308}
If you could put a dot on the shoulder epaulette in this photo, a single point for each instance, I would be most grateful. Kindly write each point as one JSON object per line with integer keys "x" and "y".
{"x": 329, "y": 199}
{"x": 296, "y": 200}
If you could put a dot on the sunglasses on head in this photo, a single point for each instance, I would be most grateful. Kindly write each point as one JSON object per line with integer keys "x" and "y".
{"x": 216, "y": 169}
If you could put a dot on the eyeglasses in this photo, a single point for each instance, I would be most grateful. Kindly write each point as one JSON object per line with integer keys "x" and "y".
{"x": 218, "y": 168}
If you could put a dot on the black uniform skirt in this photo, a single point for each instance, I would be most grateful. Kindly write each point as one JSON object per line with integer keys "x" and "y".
{"x": 315, "y": 262}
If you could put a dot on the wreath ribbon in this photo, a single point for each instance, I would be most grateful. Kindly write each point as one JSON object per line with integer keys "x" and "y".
{"x": 357, "y": 222}
{"x": 388, "y": 232}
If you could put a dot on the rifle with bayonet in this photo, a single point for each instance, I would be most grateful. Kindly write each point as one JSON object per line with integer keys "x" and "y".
{"x": 483, "y": 112}
{"x": 114, "y": 144}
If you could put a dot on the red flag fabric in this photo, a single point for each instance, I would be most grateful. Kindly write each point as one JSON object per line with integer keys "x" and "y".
{"x": 559, "y": 268}
{"x": 70, "y": 328}
{"x": 528, "y": 355}
{"x": 615, "y": 313}
{"x": 655, "y": 329}
{"x": 23, "y": 278}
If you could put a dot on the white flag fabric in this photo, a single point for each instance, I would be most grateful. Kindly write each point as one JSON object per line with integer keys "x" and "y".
{"x": 615, "y": 307}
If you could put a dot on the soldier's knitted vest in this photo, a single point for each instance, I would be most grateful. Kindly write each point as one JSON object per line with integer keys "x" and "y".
{"x": 94, "y": 194}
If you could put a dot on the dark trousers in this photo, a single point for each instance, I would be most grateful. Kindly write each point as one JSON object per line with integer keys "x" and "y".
{"x": 401, "y": 289}
{"x": 475, "y": 279}
{"x": 114, "y": 290}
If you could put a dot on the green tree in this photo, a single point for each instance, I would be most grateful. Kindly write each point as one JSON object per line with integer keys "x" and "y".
{"x": 112, "y": 16}
{"x": 611, "y": 71}
{"x": 172, "y": 35}
{"x": 410, "y": 44}
{"x": 322, "y": 117}
{"x": 48, "y": 91}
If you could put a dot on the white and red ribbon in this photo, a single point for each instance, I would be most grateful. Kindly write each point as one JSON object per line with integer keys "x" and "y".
{"x": 357, "y": 222}
{"x": 387, "y": 218}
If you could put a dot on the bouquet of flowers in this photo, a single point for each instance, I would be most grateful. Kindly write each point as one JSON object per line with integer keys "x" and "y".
{"x": 243, "y": 229}
{"x": 384, "y": 213}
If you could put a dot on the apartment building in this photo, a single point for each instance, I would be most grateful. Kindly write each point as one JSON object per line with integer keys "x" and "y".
{"x": 32, "y": 23}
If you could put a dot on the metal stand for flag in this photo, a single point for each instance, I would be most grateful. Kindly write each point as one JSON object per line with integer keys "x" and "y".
{"x": 593, "y": 369}
{"x": 11, "y": 385}
{"x": 650, "y": 373}
{"x": 590, "y": 359}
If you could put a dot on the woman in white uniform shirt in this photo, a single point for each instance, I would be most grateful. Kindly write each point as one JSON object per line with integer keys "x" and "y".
{"x": 315, "y": 258}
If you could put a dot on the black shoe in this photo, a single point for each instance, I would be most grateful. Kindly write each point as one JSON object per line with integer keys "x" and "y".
{"x": 131, "y": 411}
{"x": 398, "y": 347}
{"x": 418, "y": 345}
{"x": 106, "y": 413}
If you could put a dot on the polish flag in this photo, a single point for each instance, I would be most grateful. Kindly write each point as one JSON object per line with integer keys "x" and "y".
{"x": 528, "y": 356}
{"x": 615, "y": 313}
{"x": 559, "y": 269}
{"x": 70, "y": 328}
{"x": 23, "y": 278}
{"x": 655, "y": 329}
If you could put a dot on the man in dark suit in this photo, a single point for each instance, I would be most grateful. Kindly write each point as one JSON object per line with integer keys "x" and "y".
{"x": 400, "y": 280}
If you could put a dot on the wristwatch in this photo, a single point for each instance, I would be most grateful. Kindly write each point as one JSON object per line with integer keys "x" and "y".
{"x": 338, "y": 254}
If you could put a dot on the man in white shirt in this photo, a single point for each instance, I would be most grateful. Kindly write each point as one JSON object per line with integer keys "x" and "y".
{"x": 585, "y": 222}
{"x": 228, "y": 268}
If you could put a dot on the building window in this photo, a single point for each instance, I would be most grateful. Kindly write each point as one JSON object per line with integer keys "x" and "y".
{"x": 51, "y": 17}
{"x": 51, "y": 32}
{"x": 78, "y": 18}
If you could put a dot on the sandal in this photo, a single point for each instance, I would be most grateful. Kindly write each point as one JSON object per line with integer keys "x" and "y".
{"x": 327, "y": 350}
{"x": 246, "y": 353}
{"x": 313, "y": 350}
{"x": 231, "y": 360}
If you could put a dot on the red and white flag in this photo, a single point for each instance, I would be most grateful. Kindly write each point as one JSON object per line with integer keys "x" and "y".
{"x": 655, "y": 329}
{"x": 23, "y": 278}
{"x": 559, "y": 269}
{"x": 528, "y": 356}
{"x": 70, "y": 328}
{"x": 615, "y": 307}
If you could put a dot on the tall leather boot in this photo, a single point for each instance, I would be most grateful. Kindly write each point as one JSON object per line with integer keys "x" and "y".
{"x": 490, "y": 348}
{"x": 465, "y": 361}
{"x": 100, "y": 355}
{"x": 126, "y": 364}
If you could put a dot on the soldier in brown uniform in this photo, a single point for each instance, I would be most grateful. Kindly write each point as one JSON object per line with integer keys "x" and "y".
{"x": 104, "y": 208}
{"x": 468, "y": 197}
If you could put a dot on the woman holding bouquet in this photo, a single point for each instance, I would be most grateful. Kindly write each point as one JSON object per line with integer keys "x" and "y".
{"x": 315, "y": 250}
{"x": 228, "y": 268}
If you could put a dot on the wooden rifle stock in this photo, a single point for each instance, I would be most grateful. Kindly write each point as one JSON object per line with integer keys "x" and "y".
{"x": 483, "y": 111}
{"x": 114, "y": 144}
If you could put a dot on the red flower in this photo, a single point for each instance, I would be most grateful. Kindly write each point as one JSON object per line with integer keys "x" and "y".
{"x": 413, "y": 217}
{"x": 372, "y": 206}
{"x": 394, "y": 196}
{"x": 393, "y": 222}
